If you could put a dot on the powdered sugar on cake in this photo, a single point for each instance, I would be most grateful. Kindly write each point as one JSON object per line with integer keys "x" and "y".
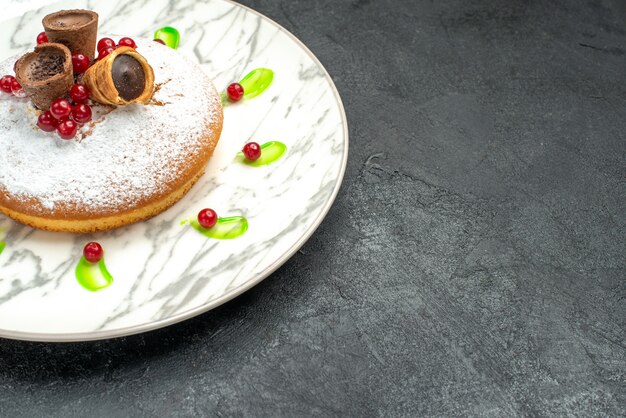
{"x": 127, "y": 155}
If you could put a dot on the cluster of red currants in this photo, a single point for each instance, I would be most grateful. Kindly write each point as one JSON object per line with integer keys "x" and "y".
{"x": 8, "y": 84}
{"x": 107, "y": 45}
{"x": 65, "y": 118}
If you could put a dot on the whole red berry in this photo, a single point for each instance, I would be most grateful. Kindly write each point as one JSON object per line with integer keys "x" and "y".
{"x": 47, "y": 122}
{"x": 93, "y": 252}
{"x": 80, "y": 62}
{"x": 207, "y": 218}
{"x": 67, "y": 129}
{"x": 15, "y": 85}
{"x": 17, "y": 89}
{"x": 6, "y": 83}
{"x": 235, "y": 92}
{"x": 159, "y": 41}
{"x": 60, "y": 108}
{"x": 105, "y": 43}
{"x": 104, "y": 52}
{"x": 42, "y": 38}
{"x": 81, "y": 113}
{"x": 127, "y": 42}
{"x": 252, "y": 151}
{"x": 79, "y": 93}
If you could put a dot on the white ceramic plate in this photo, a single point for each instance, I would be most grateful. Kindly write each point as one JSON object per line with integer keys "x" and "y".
{"x": 164, "y": 272}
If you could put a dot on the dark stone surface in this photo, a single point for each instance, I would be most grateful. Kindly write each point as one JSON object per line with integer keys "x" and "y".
{"x": 473, "y": 264}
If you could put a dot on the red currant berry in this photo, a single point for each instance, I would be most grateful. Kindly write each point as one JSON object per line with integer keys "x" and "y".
{"x": 67, "y": 129}
{"x": 80, "y": 62}
{"x": 47, "y": 122}
{"x": 79, "y": 93}
{"x": 42, "y": 38}
{"x": 17, "y": 89}
{"x": 81, "y": 113}
{"x": 252, "y": 151}
{"x": 104, "y": 52}
{"x": 105, "y": 43}
{"x": 60, "y": 108}
{"x": 207, "y": 218}
{"x": 127, "y": 42}
{"x": 235, "y": 92}
{"x": 93, "y": 252}
{"x": 159, "y": 41}
{"x": 6, "y": 83}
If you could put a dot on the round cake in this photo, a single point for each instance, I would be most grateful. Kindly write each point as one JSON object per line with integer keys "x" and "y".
{"x": 128, "y": 164}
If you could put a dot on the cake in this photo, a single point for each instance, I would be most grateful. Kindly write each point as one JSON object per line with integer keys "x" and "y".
{"x": 127, "y": 164}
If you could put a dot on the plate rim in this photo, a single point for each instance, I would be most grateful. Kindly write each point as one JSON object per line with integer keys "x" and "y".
{"x": 199, "y": 310}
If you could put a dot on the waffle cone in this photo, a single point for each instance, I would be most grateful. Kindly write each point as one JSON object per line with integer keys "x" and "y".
{"x": 76, "y": 29}
{"x": 41, "y": 86}
{"x": 100, "y": 81}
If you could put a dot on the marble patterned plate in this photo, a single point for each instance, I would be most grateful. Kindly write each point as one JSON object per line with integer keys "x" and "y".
{"x": 165, "y": 272}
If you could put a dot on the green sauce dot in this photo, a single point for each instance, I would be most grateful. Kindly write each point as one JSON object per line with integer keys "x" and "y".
{"x": 93, "y": 276}
{"x": 270, "y": 152}
{"x": 254, "y": 83}
{"x": 225, "y": 228}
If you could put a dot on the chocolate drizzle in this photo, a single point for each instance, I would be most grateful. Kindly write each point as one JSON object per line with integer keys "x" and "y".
{"x": 128, "y": 77}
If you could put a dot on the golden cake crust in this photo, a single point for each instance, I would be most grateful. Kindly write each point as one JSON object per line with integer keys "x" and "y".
{"x": 73, "y": 217}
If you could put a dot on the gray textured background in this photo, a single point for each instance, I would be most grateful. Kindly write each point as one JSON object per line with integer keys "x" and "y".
{"x": 473, "y": 264}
